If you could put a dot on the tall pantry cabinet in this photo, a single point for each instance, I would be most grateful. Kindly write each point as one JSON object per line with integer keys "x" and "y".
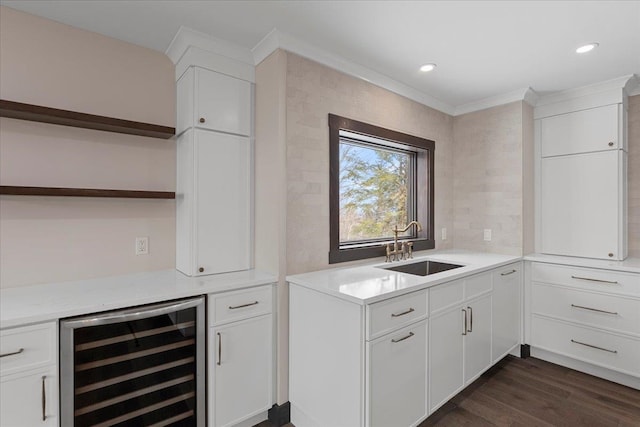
{"x": 582, "y": 179}
{"x": 213, "y": 190}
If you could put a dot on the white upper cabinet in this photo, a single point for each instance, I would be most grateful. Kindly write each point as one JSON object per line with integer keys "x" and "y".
{"x": 595, "y": 129}
{"x": 581, "y": 211}
{"x": 214, "y": 101}
{"x": 213, "y": 207}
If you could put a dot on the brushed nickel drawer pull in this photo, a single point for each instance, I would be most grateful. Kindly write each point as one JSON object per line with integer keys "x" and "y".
{"x": 464, "y": 327}
{"x": 219, "y": 349}
{"x": 594, "y": 309}
{"x": 594, "y": 280}
{"x": 233, "y": 307}
{"x": 403, "y": 338}
{"x": 12, "y": 354}
{"x": 470, "y": 320}
{"x": 594, "y": 346}
{"x": 44, "y": 400}
{"x": 508, "y": 273}
{"x": 411, "y": 310}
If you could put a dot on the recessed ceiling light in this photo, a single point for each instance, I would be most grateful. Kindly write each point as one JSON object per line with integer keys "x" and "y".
{"x": 587, "y": 48}
{"x": 427, "y": 67}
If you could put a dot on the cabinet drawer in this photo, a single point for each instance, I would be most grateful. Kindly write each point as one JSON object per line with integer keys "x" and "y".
{"x": 443, "y": 296}
{"x": 231, "y": 306}
{"x": 589, "y": 345}
{"x": 587, "y": 278}
{"x": 602, "y": 311}
{"x": 27, "y": 347}
{"x": 385, "y": 316}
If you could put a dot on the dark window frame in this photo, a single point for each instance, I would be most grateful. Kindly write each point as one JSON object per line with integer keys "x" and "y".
{"x": 424, "y": 193}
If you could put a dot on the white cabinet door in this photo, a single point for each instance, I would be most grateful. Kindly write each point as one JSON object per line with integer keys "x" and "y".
{"x": 507, "y": 282}
{"x": 240, "y": 370}
{"x": 584, "y": 131}
{"x": 223, "y": 103}
{"x": 29, "y": 399}
{"x": 445, "y": 356}
{"x": 397, "y": 373}
{"x": 580, "y": 205}
{"x": 222, "y": 197}
{"x": 477, "y": 342}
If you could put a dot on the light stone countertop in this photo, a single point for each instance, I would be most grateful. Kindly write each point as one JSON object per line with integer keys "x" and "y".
{"x": 39, "y": 303}
{"x": 630, "y": 265}
{"x": 371, "y": 283}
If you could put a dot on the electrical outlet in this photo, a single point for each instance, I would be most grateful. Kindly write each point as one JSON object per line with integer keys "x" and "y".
{"x": 142, "y": 245}
{"x": 487, "y": 234}
{"x": 444, "y": 233}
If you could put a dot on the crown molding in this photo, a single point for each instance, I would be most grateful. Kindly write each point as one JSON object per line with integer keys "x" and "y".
{"x": 276, "y": 39}
{"x": 186, "y": 37}
{"x": 621, "y": 83}
{"x": 527, "y": 95}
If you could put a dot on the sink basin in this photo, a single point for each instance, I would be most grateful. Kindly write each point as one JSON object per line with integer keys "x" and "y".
{"x": 423, "y": 268}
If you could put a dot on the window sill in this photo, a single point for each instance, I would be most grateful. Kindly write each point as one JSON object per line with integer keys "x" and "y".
{"x": 374, "y": 250}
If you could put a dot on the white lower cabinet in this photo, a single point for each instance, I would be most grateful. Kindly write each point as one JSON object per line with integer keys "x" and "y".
{"x": 460, "y": 348}
{"x": 241, "y": 370}
{"x": 395, "y": 361}
{"x": 240, "y": 355}
{"x": 587, "y": 319}
{"x": 397, "y": 390}
{"x": 445, "y": 356}
{"x": 29, "y": 399}
{"x": 507, "y": 319}
{"x": 477, "y": 341}
{"x": 29, "y": 376}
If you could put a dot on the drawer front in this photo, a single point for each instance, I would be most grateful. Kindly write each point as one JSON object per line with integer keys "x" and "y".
{"x": 597, "y": 347}
{"x": 587, "y": 278}
{"x": 237, "y": 305}
{"x": 27, "y": 347}
{"x": 477, "y": 285}
{"x": 385, "y": 316}
{"x": 621, "y": 314}
{"x": 443, "y": 296}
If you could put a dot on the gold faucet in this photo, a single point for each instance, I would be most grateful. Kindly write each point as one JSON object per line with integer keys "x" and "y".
{"x": 406, "y": 249}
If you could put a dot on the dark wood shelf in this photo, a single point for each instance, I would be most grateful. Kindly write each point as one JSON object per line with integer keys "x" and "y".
{"x": 36, "y": 113}
{"x": 84, "y": 192}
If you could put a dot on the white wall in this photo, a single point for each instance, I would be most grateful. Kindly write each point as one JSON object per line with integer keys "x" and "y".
{"x": 50, "y": 239}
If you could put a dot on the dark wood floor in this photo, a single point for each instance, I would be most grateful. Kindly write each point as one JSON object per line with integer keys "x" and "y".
{"x": 530, "y": 392}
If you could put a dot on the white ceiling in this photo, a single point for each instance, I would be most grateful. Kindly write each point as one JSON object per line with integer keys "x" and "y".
{"x": 482, "y": 48}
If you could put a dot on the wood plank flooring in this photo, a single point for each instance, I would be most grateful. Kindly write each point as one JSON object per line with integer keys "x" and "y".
{"x": 531, "y": 393}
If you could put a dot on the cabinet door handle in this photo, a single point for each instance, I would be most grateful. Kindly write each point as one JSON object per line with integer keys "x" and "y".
{"x": 233, "y": 307}
{"x": 613, "y": 282}
{"x": 219, "y": 349}
{"x": 611, "y": 144}
{"x": 595, "y": 346}
{"x": 202, "y": 120}
{"x": 13, "y": 353}
{"x": 470, "y": 319}
{"x": 44, "y": 399}
{"x": 594, "y": 309}
{"x": 411, "y": 310}
{"x": 506, "y": 273}
{"x": 464, "y": 327}
{"x": 403, "y": 338}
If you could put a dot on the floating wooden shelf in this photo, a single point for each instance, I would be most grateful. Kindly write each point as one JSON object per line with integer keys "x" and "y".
{"x": 84, "y": 192}
{"x": 36, "y": 113}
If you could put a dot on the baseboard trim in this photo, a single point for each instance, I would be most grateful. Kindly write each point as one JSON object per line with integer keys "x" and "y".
{"x": 578, "y": 365}
{"x": 280, "y": 414}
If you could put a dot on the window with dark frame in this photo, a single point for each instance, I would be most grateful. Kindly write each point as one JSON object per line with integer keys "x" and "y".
{"x": 379, "y": 178}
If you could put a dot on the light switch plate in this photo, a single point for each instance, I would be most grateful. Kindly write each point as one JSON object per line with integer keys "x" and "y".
{"x": 487, "y": 234}
{"x": 444, "y": 233}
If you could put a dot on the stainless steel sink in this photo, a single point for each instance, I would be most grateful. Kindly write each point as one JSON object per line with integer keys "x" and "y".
{"x": 423, "y": 268}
